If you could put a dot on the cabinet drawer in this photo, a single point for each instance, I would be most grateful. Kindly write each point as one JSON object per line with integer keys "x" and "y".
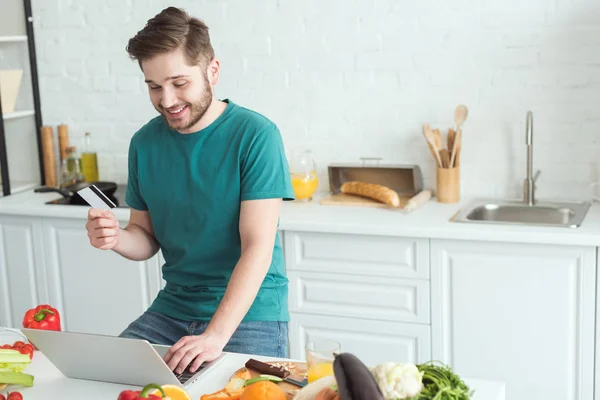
{"x": 402, "y": 300}
{"x": 373, "y": 342}
{"x": 385, "y": 256}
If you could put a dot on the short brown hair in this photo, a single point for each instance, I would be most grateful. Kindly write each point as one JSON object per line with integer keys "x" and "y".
{"x": 167, "y": 31}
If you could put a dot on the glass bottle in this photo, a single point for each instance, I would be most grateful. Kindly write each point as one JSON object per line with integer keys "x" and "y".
{"x": 66, "y": 177}
{"x": 77, "y": 173}
{"x": 89, "y": 160}
{"x": 303, "y": 171}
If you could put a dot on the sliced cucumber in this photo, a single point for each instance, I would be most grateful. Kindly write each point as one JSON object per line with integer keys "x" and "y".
{"x": 263, "y": 377}
{"x": 272, "y": 378}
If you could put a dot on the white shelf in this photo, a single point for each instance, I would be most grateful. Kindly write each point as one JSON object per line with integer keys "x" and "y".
{"x": 18, "y": 187}
{"x": 18, "y": 114}
{"x": 21, "y": 38}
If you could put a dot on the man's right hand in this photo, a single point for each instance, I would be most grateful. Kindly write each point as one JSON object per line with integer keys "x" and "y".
{"x": 103, "y": 229}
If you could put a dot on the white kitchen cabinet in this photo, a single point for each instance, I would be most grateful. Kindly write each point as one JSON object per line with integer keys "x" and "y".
{"x": 361, "y": 255}
{"x": 370, "y": 293}
{"x": 370, "y": 340}
{"x": 22, "y": 275}
{"x": 97, "y": 291}
{"x": 386, "y": 299}
{"x": 523, "y": 314}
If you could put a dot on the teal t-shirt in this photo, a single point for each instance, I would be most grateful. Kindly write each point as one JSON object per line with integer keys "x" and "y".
{"x": 192, "y": 185}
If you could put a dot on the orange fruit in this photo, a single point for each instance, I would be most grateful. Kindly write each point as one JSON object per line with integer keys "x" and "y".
{"x": 263, "y": 390}
{"x": 173, "y": 392}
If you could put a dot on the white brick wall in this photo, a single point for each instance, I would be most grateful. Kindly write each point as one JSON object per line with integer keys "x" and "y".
{"x": 357, "y": 78}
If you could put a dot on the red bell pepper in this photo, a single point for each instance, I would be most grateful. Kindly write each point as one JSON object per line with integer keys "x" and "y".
{"x": 42, "y": 317}
{"x": 142, "y": 394}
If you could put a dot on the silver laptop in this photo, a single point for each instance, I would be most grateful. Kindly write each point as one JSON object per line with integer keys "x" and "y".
{"x": 110, "y": 358}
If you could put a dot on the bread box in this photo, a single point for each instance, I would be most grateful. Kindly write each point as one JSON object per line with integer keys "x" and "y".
{"x": 405, "y": 179}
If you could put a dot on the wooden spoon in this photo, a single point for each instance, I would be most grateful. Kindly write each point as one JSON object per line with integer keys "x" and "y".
{"x": 431, "y": 141}
{"x": 460, "y": 116}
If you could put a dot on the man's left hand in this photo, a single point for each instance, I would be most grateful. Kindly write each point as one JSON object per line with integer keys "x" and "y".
{"x": 195, "y": 350}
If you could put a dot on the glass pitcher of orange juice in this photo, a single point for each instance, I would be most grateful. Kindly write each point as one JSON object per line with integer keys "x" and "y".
{"x": 303, "y": 171}
{"x": 320, "y": 354}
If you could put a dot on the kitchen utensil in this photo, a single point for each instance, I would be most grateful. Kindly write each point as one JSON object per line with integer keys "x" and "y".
{"x": 450, "y": 139}
{"x": 63, "y": 141}
{"x": 278, "y": 371}
{"x": 70, "y": 192}
{"x": 458, "y": 142}
{"x": 418, "y": 200}
{"x": 429, "y": 136}
{"x": 460, "y": 116}
{"x": 445, "y": 157}
{"x": 48, "y": 153}
{"x": 448, "y": 185}
{"x": 437, "y": 137}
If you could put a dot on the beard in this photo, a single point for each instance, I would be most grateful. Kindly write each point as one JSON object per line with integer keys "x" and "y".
{"x": 196, "y": 110}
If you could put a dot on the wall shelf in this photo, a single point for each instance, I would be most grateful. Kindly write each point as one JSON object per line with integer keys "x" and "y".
{"x": 19, "y": 38}
{"x": 23, "y": 32}
{"x": 18, "y": 114}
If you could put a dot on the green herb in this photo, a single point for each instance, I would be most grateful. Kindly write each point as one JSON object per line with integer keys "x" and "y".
{"x": 441, "y": 383}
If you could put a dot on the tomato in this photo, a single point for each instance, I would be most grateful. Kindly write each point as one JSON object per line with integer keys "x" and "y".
{"x": 15, "y": 396}
{"x": 26, "y": 349}
{"x": 6, "y": 346}
{"x": 18, "y": 345}
{"x": 2, "y": 397}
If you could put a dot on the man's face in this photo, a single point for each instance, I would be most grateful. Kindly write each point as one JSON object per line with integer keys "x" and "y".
{"x": 178, "y": 91}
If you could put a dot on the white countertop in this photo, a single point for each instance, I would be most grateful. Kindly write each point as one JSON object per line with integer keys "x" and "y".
{"x": 49, "y": 382}
{"x": 432, "y": 220}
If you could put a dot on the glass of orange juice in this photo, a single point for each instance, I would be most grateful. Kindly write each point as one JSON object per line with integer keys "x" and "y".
{"x": 320, "y": 354}
{"x": 303, "y": 171}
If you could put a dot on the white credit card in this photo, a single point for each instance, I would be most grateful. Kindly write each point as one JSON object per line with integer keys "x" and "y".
{"x": 95, "y": 198}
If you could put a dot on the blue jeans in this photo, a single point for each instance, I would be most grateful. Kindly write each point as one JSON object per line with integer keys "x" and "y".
{"x": 266, "y": 338}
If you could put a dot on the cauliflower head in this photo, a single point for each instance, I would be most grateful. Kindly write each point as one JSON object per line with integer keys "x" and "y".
{"x": 398, "y": 381}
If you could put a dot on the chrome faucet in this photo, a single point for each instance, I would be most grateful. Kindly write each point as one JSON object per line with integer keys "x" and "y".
{"x": 529, "y": 184}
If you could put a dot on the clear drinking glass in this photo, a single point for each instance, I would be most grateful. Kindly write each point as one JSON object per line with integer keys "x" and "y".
{"x": 320, "y": 354}
{"x": 303, "y": 171}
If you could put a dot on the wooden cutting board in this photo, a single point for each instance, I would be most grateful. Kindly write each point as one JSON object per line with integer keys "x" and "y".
{"x": 343, "y": 199}
{"x": 297, "y": 371}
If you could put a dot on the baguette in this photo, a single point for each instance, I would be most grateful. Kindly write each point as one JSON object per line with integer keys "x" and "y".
{"x": 373, "y": 191}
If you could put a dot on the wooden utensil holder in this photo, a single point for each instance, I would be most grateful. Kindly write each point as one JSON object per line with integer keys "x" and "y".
{"x": 448, "y": 185}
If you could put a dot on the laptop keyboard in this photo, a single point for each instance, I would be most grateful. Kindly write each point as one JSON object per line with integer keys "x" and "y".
{"x": 186, "y": 375}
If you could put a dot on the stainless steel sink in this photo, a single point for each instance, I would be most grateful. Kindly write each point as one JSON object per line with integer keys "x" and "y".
{"x": 528, "y": 211}
{"x": 560, "y": 214}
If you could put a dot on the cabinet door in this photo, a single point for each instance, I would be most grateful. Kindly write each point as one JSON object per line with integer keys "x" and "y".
{"x": 22, "y": 275}
{"x": 97, "y": 291}
{"x": 521, "y": 314}
{"x": 383, "y": 256}
{"x": 371, "y": 341}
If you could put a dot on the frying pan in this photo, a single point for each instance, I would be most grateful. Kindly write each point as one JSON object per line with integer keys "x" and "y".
{"x": 70, "y": 192}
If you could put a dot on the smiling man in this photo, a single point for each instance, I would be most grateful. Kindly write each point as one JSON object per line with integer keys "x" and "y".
{"x": 206, "y": 182}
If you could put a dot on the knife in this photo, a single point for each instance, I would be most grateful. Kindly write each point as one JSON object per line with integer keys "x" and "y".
{"x": 280, "y": 372}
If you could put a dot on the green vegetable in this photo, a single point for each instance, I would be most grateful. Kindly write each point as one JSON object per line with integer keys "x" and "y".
{"x": 263, "y": 377}
{"x": 441, "y": 383}
{"x": 6, "y": 357}
{"x": 272, "y": 378}
{"x": 16, "y": 378}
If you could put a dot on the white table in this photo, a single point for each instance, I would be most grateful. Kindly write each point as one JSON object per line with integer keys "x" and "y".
{"x": 50, "y": 383}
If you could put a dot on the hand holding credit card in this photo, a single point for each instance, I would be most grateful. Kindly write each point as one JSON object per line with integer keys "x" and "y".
{"x": 95, "y": 198}
{"x": 102, "y": 226}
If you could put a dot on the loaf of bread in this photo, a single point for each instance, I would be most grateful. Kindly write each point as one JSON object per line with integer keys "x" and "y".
{"x": 373, "y": 191}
